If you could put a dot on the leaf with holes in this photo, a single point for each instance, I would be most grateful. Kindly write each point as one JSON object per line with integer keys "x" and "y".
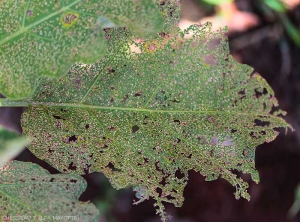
{"x": 11, "y": 145}
{"x": 44, "y": 38}
{"x": 27, "y": 190}
{"x": 153, "y": 109}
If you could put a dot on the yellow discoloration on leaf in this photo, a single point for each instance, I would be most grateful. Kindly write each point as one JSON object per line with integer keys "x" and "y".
{"x": 69, "y": 19}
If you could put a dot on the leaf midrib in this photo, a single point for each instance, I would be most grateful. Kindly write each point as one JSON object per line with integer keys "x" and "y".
{"x": 22, "y": 30}
{"x": 11, "y": 103}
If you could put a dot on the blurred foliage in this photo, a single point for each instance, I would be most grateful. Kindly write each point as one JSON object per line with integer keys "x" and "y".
{"x": 277, "y": 8}
{"x": 216, "y": 2}
{"x": 11, "y": 144}
{"x": 296, "y": 205}
{"x": 273, "y": 8}
{"x": 276, "y": 5}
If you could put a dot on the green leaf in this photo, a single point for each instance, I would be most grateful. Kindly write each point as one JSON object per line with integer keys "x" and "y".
{"x": 44, "y": 38}
{"x": 140, "y": 118}
{"x": 294, "y": 209}
{"x": 216, "y": 2}
{"x": 292, "y": 31}
{"x": 11, "y": 144}
{"x": 27, "y": 190}
{"x": 276, "y": 5}
{"x": 152, "y": 109}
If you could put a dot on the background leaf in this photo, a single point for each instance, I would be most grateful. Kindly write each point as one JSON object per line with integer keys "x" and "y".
{"x": 44, "y": 38}
{"x": 216, "y": 2}
{"x": 11, "y": 144}
{"x": 26, "y": 189}
{"x": 276, "y": 5}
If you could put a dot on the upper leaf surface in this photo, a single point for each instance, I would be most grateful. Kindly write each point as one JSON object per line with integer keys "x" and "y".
{"x": 140, "y": 118}
{"x": 28, "y": 190}
{"x": 44, "y": 38}
{"x": 152, "y": 109}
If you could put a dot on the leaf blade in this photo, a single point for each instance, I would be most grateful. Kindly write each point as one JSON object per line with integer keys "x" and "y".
{"x": 141, "y": 117}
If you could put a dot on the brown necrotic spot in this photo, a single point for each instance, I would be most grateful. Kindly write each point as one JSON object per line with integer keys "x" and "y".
{"x": 152, "y": 47}
{"x": 138, "y": 94}
{"x": 112, "y": 128}
{"x": 29, "y": 12}
{"x": 110, "y": 70}
{"x": 69, "y": 18}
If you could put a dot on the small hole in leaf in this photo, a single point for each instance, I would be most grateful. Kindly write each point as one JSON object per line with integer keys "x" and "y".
{"x": 233, "y": 131}
{"x": 104, "y": 146}
{"x": 252, "y": 134}
{"x": 177, "y": 121}
{"x": 57, "y": 117}
{"x": 135, "y": 128}
{"x": 163, "y": 181}
{"x": 261, "y": 123}
{"x": 73, "y": 181}
{"x": 179, "y": 174}
{"x": 72, "y": 166}
{"x": 87, "y": 168}
{"x": 73, "y": 138}
{"x": 52, "y": 179}
{"x": 259, "y": 92}
{"x": 159, "y": 191}
{"x": 112, "y": 167}
{"x": 87, "y": 126}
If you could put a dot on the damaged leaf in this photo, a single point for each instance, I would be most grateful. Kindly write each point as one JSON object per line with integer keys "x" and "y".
{"x": 153, "y": 109}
